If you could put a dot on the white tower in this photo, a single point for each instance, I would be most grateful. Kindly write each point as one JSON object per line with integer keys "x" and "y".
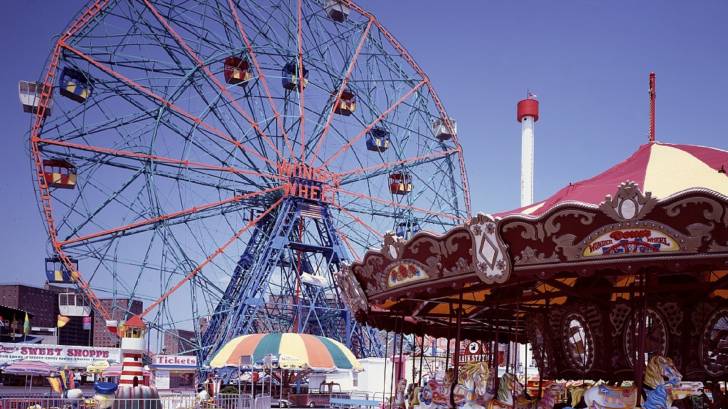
{"x": 527, "y": 115}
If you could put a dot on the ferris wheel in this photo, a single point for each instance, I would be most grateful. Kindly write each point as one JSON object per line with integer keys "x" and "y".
{"x": 219, "y": 160}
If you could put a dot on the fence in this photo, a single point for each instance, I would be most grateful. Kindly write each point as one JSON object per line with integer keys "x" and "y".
{"x": 163, "y": 402}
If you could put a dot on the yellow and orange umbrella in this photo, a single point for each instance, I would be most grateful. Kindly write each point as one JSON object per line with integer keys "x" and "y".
{"x": 294, "y": 351}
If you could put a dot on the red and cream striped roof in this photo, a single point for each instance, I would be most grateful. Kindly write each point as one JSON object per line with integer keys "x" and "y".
{"x": 660, "y": 168}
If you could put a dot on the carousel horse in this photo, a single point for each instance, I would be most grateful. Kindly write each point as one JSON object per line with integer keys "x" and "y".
{"x": 576, "y": 394}
{"x": 413, "y": 395}
{"x": 400, "y": 394}
{"x": 602, "y": 396}
{"x": 474, "y": 384}
{"x": 439, "y": 392}
{"x": 660, "y": 376}
{"x": 548, "y": 401}
{"x": 507, "y": 388}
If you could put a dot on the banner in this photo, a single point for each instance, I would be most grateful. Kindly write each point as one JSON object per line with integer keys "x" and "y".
{"x": 62, "y": 321}
{"x": 58, "y": 355}
{"x": 631, "y": 241}
{"x": 87, "y": 323}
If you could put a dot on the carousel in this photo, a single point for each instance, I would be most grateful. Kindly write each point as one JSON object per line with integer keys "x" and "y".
{"x": 620, "y": 277}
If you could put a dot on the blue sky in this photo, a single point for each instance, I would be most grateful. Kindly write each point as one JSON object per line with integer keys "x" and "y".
{"x": 587, "y": 61}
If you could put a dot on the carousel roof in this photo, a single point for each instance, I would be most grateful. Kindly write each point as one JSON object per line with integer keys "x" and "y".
{"x": 660, "y": 168}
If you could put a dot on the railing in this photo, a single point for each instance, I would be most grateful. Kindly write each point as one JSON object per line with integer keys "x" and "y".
{"x": 163, "y": 402}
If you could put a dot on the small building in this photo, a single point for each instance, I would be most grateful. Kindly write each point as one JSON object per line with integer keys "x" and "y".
{"x": 175, "y": 372}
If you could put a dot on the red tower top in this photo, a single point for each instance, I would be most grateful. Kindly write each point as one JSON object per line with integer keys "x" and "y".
{"x": 527, "y": 107}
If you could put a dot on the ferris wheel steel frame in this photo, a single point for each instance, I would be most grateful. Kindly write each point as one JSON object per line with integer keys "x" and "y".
{"x": 291, "y": 233}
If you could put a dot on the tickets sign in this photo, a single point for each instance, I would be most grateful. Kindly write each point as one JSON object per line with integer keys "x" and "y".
{"x": 189, "y": 361}
{"x": 631, "y": 241}
{"x": 58, "y": 355}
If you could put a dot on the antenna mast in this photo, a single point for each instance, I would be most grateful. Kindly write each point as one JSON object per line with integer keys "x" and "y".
{"x": 652, "y": 107}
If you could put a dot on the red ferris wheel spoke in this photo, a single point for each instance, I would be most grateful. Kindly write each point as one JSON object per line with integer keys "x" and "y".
{"x": 395, "y": 204}
{"x": 261, "y": 75}
{"x": 168, "y": 216}
{"x": 386, "y": 165}
{"x": 157, "y": 158}
{"x": 209, "y": 259}
{"x": 301, "y": 109}
{"x": 228, "y": 96}
{"x": 369, "y": 127}
{"x": 357, "y": 219}
{"x": 345, "y": 239}
{"x": 342, "y": 87}
{"x": 198, "y": 121}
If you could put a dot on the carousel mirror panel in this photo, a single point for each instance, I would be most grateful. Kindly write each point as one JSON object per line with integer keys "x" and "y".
{"x": 579, "y": 343}
{"x": 656, "y": 336}
{"x": 715, "y": 343}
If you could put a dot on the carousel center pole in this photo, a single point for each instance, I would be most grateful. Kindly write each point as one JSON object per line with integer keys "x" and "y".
{"x": 414, "y": 361}
{"x": 543, "y": 349}
{"x": 456, "y": 353}
{"x": 422, "y": 357}
{"x": 640, "y": 361}
{"x": 394, "y": 367}
{"x": 496, "y": 352}
{"x": 386, "y": 352}
{"x": 447, "y": 350}
{"x": 401, "y": 369}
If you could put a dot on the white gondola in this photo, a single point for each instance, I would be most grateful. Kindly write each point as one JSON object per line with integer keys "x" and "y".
{"x": 29, "y": 94}
{"x": 72, "y": 304}
{"x": 314, "y": 280}
{"x": 439, "y": 127}
{"x": 337, "y": 10}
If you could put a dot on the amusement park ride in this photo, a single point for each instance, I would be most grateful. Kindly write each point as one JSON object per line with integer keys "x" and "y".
{"x": 223, "y": 160}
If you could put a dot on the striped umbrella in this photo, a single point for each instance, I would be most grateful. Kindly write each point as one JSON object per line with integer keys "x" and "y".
{"x": 29, "y": 368}
{"x": 294, "y": 351}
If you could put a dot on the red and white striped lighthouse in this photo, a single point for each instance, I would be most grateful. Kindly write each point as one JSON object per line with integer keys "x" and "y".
{"x": 132, "y": 350}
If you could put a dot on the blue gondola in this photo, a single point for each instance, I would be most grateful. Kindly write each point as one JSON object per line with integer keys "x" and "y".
{"x": 407, "y": 229}
{"x": 290, "y": 76}
{"x": 75, "y": 85}
{"x": 56, "y": 271}
{"x": 378, "y": 140}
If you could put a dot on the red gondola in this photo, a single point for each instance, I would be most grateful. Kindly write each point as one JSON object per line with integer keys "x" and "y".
{"x": 237, "y": 70}
{"x": 346, "y": 104}
{"x": 400, "y": 183}
{"x": 59, "y": 173}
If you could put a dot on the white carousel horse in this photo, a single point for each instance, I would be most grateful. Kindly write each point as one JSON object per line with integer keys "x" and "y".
{"x": 610, "y": 397}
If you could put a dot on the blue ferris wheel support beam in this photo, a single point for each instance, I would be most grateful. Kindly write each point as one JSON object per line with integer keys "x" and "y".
{"x": 284, "y": 282}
